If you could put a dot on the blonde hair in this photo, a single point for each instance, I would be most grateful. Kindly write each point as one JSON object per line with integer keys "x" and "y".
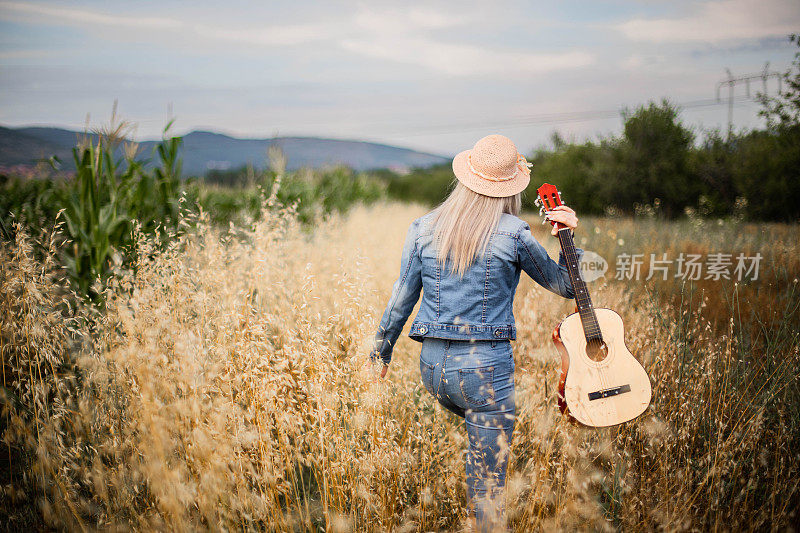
{"x": 464, "y": 222}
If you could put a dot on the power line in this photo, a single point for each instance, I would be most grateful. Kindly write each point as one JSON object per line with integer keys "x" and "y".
{"x": 542, "y": 118}
{"x": 549, "y": 118}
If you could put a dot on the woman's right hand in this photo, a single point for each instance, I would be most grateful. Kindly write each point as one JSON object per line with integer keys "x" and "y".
{"x": 563, "y": 214}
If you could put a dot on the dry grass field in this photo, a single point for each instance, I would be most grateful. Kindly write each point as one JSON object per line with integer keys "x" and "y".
{"x": 223, "y": 388}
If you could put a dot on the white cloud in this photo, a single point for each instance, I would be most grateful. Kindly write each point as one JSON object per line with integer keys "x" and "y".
{"x": 285, "y": 35}
{"x": 409, "y": 19}
{"x": 653, "y": 61}
{"x": 420, "y": 35}
{"x": 717, "y": 21}
{"x": 278, "y": 35}
{"x": 464, "y": 60}
{"x": 404, "y": 36}
{"x": 26, "y": 54}
{"x": 83, "y": 17}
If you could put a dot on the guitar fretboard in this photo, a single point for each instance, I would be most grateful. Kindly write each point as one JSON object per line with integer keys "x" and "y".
{"x": 582, "y": 299}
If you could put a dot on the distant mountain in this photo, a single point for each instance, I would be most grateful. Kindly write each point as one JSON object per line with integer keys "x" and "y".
{"x": 203, "y": 150}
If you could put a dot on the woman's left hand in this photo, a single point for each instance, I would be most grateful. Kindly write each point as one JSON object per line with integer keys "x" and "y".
{"x": 369, "y": 367}
{"x": 564, "y": 215}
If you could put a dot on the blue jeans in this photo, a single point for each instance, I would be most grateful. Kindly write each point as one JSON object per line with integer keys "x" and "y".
{"x": 475, "y": 380}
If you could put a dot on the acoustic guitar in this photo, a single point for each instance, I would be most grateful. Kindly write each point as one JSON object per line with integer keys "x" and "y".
{"x": 602, "y": 383}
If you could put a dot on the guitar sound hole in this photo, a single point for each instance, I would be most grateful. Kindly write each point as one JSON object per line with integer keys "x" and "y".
{"x": 596, "y": 350}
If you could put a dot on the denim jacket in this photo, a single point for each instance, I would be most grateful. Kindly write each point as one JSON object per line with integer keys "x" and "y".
{"x": 477, "y": 306}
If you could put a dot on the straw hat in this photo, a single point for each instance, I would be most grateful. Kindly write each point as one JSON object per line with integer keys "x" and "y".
{"x": 493, "y": 167}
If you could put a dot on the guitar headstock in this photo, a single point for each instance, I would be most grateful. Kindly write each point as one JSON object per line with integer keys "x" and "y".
{"x": 548, "y": 198}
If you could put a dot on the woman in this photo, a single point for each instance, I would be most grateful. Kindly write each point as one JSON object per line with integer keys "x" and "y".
{"x": 466, "y": 256}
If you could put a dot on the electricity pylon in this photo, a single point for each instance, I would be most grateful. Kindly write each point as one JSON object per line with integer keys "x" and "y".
{"x": 731, "y": 82}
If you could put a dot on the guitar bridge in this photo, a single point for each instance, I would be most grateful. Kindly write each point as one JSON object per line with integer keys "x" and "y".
{"x": 606, "y": 393}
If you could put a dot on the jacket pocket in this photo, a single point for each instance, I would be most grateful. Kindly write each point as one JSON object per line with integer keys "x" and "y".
{"x": 476, "y": 385}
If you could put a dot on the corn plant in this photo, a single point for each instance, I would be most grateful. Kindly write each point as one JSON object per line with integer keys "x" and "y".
{"x": 108, "y": 196}
{"x": 154, "y": 199}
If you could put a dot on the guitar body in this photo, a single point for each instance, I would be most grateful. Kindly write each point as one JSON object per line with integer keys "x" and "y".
{"x": 599, "y": 387}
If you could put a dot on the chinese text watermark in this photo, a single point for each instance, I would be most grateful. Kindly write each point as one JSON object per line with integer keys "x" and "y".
{"x": 714, "y": 266}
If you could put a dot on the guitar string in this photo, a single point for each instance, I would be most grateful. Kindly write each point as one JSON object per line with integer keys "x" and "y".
{"x": 595, "y": 332}
{"x": 584, "y": 302}
{"x": 585, "y": 307}
{"x": 579, "y": 286}
{"x": 589, "y": 320}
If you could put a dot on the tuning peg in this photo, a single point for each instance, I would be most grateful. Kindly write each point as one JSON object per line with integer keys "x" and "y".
{"x": 538, "y": 201}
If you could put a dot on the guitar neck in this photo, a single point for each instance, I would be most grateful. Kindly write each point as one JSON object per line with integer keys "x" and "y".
{"x": 591, "y": 328}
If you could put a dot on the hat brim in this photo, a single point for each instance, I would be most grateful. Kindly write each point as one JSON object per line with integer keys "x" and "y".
{"x": 495, "y": 189}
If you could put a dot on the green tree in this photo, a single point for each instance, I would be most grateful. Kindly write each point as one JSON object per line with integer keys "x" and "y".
{"x": 766, "y": 171}
{"x": 429, "y": 186}
{"x": 711, "y": 165}
{"x": 783, "y": 111}
{"x": 584, "y": 173}
{"x": 654, "y": 153}
{"x": 766, "y": 165}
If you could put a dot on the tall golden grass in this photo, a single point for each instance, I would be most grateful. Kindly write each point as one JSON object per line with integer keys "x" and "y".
{"x": 223, "y": 387}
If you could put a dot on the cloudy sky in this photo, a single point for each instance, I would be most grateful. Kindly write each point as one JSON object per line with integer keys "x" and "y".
{"x": 429, "y": 75}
